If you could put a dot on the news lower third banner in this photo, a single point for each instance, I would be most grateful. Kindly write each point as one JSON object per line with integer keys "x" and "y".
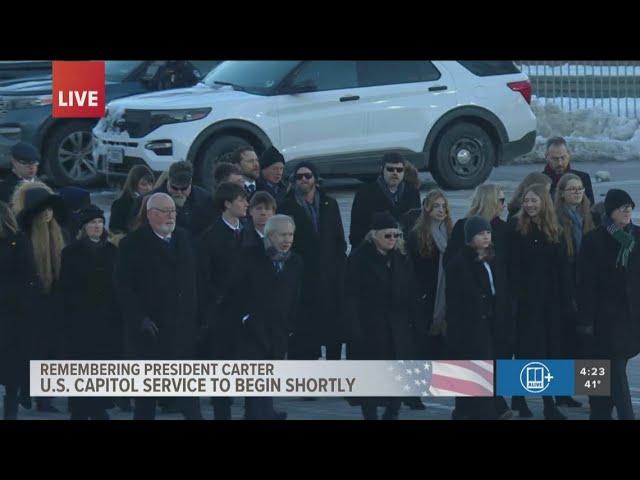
{"x": 339, "y": 378}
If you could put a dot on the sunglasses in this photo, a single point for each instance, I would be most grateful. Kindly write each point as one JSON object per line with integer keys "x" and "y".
{"x": 180, "y": 189}
{"x": 300, "y": 176}
{"x": 394, "y": 169}
{"x": 389, "y": 236}
{"x": 574, "y": 189}
{"x": 501, "y": 200}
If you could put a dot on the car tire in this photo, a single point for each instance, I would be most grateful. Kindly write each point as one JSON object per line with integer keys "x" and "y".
{"x": 211, "y": 153}
{"x": 67, "y": 154}
{"x": 464, "y": 157}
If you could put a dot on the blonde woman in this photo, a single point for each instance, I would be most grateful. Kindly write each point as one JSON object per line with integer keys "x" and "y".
{"x": 516, "y": 199}
{"x": 488, "y": 202}
{"x": 539, "y": 280}
{"x": 39, "y": 213}
{"x": 380, "y": 304}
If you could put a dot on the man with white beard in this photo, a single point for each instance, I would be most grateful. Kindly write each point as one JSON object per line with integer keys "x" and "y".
{"x": 155, "y": 280}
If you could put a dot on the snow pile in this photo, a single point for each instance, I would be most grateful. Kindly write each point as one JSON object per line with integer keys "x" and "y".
{"x": 593, "y": 134}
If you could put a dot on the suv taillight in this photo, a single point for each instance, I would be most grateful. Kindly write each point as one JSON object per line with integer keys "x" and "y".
{"x": 523, "y": 87}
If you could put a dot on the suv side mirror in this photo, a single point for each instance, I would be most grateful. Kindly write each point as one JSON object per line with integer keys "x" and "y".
{"x": 302, "y": 87}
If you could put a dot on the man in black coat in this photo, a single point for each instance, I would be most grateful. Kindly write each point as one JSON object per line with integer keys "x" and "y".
{"x": 271, "y": 170}
{"x": 558, "y": 163}
{"x": 388, "y": 193}
{"x": 266, "y": 300}
{"x": 320, "y": 242}
{"x": 608, "y": 300}
{"x": 217, "y": 258}
{"x": 194, "y": 204}
{"x": 247, "y": 159}
{"x": 155, "y": 279}
{"x": 25, "y": 159}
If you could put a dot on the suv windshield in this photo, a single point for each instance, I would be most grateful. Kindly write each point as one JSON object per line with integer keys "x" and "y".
{"x": 118, "y": 70}
{"x": 260, "y": 76}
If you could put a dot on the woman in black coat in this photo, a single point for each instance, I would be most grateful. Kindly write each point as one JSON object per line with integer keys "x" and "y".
{"x": 608, "y": 300}
{"x": 381, "y": 304}
{"x": 573, "y": 209}
{"x": 93, "y": 327}
{"x": 426, "y": 244}
{"x": 40, "y": 213}
{"x": 539, "y": 278}
{"x": 479, "y": 322}
{"x": 123, "y": 210}
{"x": 17, "y": 283}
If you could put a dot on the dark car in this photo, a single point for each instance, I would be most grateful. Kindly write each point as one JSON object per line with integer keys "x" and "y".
{"x": 66, "y": 143}
{"x": 16, "y": 70}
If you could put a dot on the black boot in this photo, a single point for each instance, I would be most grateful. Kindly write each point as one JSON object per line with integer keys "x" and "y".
{"x": 414, "y": 403}
{"x": 10, "y": 408}
{"x": 520, "y": 404}
{"x": 551, "y": 412}
{"x": 567, "y": 402}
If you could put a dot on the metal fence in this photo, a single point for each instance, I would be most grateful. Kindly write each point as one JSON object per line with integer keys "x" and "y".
{"x": 572, "y": 85}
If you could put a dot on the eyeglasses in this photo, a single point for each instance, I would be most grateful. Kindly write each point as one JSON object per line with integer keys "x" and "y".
{"x": 574, "y": 189}
{"x": 180, "y": 189}
{"x": 22, "y": 162}
{"x": 394, "y": 169}
{"x": 389, "y": 236}
{"x": 165, "y": 210}
{"x": 300, "y": 176}
{"x": 626, "y": 208}
{"x": 501, "y": 200}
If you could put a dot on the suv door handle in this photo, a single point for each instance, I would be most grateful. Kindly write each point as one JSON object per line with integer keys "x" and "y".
{"x": 438, "y": 88}
{"x": 349, "y": 99}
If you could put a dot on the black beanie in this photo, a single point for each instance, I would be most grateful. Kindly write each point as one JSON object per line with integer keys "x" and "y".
{"x": 89, "y": 213}
{"x": 270, "y": 156}
{"x": 382, "y": 221}
{"x": 473, "y": 226}
{"x": 308, "y": 165}
{"x": 615, "y": 199}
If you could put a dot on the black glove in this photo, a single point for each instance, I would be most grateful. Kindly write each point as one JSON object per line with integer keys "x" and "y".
{"x": 149, "y": 327}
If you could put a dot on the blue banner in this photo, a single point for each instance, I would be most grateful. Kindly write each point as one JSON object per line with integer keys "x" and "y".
{"x": 535, "y": 377}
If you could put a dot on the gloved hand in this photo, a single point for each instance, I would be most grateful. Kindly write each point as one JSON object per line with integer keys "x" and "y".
{"x": 149, "y": 327}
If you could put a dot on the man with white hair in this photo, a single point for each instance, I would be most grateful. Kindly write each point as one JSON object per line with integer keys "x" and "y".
{"x": 155, "y": 280}
{"x": 266, "y": 301}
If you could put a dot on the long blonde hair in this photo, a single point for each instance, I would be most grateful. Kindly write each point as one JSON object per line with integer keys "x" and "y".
{"x": 485, "y": 201}
{"x": 563, "y": 217}
{"x": 423, "y": 224}
{"x": 548, "y": 219}
{"x": 46, "y": 238}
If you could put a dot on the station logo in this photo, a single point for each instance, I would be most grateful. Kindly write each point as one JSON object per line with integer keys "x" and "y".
{"x": 535, "y": 377}
{"x": 78, "y": 89}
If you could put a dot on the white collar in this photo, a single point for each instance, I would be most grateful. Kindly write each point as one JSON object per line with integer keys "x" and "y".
{"x": 232, "y": 227}
{"x": 247, "y": 183}
{"x": 164, "y": 239}
{"x": 261, "y": 235}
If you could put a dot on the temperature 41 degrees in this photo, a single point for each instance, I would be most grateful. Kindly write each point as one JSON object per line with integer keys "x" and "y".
{"x": 592, "y": 384}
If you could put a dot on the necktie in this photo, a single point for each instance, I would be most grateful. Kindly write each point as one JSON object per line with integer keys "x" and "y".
{"x": 236, "y": 232}
{"x": 314, "y": 216}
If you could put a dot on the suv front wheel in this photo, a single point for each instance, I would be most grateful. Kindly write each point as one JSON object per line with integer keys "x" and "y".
{"x": 464, "y": 157}
{"x": 68, "y": 154}
{"x": 211, "y": 153}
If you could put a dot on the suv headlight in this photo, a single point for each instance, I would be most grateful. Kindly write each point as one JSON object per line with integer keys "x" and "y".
{"x": 163, "y": 117}
{"x": 17, "y": 103}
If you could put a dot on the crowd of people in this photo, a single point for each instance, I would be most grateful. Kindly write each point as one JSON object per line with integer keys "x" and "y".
{"x": 259, "y": 269}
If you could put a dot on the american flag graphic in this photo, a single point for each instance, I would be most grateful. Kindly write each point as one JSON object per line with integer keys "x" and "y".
{"x": 444, "y": 378}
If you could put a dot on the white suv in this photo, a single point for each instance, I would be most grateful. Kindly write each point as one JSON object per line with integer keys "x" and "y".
{"x": 456, "y": 119}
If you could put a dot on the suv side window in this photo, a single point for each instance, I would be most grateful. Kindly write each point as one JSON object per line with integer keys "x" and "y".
{"x": 486, "y": 68}
{"x": 327, "y": 74}
{"x": 391, "y": 72}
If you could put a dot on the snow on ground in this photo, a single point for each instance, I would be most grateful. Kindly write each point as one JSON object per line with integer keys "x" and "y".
{"x": 593, "y": 134}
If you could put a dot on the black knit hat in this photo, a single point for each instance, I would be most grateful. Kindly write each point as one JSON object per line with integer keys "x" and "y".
{"x": 36, "y": 200}
{"x": 473, "y": 226}
{"x": 89, "y": 213}
{"x": 616, "y": 198}
{"x": 25, "y": 152}
{"x": 382, "y": 221}
{"x": 270, "y": 156}
{"x": 310, "y": 166}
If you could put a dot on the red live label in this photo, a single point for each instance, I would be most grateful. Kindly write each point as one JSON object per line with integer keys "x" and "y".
{"x": 78, "y": 89}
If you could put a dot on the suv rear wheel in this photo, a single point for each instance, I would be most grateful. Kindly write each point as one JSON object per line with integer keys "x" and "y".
{"x": 464, "y": 157}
